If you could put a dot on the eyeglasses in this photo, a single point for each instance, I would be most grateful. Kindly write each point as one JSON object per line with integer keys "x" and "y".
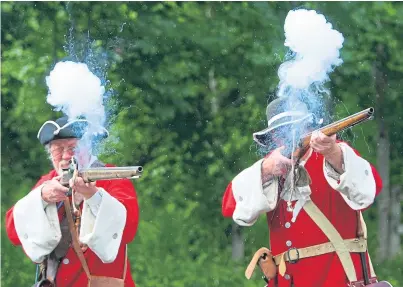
{"x": 58, "y": 151}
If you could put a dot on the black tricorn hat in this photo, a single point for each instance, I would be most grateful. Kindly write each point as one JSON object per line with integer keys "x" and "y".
{"x": 62, "y": 128}
{"x": 282, "y": 112}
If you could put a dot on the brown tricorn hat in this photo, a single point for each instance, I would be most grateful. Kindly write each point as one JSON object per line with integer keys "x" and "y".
{"x": 281, "y": 112}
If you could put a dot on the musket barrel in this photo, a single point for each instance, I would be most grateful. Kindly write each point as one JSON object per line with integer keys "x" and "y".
{"x": 341, "y": 125}
{"x": 348, "y": 122}
{"x": 332, "y": 129}
{"x": 105, "y": 173}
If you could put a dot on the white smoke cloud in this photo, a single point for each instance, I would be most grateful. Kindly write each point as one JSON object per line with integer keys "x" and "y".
{"x": 315, "y": 46}
{"x": 76, "y": 91}
{"x": 314, "y": 53}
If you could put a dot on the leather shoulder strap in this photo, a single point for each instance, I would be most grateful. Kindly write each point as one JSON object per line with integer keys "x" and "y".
{"x": 362, "y": 233}
{"x": 361, "y": 227}
{"x": 76, "y": 244}
{"x": 334, "y": 237}
{"x": 125, "y": 265}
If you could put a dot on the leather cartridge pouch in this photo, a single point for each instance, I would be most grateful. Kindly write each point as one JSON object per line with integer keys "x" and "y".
{"x": 264, "y": 258}
{"x": 100, "y": 281}
{"x": 375, "y": 284}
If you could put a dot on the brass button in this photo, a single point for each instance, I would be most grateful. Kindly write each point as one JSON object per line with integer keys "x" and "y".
{"x": 115, "y": 236}
{"x": 288, "y": 243}
{"x": 287, "y": 277}
{"x": 287, "y": 225}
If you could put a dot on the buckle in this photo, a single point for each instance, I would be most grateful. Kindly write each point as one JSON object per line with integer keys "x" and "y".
{"x": 263, "y": 256}
{"x": 292, "y": 261}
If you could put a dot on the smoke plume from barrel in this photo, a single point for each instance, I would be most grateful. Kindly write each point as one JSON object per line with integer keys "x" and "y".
{"x": 314, "y": 53}
{"x": 75, "y": 91}
{"x": 314, "y": 46}
{"x": 78, "y": 93}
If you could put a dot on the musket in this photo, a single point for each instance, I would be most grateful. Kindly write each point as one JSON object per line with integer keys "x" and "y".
{"x": 92, "y": 174}
{"x": 332, "y": 129}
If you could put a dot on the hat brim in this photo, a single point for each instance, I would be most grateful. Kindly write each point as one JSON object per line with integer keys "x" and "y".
{"x": 263, "y": 137}
{"x": 51, "y": 130}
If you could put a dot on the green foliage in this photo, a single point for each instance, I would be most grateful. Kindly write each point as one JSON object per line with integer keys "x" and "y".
{"x": 189, "y": 84}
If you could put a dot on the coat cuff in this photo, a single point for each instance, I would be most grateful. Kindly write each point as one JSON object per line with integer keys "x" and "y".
{"x": 103, "y": 233}
{"x": 37, "y": 228}
{"x": 250, "y": 196}
{"x": 357, "y": 184}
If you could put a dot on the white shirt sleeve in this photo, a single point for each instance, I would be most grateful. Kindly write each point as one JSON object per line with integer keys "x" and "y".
{"x": 102, "y": 224}
{"x": 252, "y": 199}
{"x": 37, "y": 225}
{"x": 357, "y": 184}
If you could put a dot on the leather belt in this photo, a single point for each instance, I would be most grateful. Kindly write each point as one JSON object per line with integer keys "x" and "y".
{"x": 293, "y": 255}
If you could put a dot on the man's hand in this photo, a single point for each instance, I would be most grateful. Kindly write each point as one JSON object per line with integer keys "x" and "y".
{"x": 328, "y": 147}
{"x": 53, "y": 191}
{"x": 324, "y": 144}
{"x": 85, "y": 189}
{"x": 275, "y": 164}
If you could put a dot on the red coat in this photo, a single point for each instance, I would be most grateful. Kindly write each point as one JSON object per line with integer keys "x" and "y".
{"x": 319, "y": 271}
{"x": 72, "y": 273}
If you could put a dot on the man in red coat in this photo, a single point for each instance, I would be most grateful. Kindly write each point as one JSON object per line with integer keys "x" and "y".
{"x": 313, "y": 218}
{"x": 109, "y": 219}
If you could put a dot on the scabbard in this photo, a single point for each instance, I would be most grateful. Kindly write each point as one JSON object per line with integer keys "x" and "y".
{"x": 364, "y": 267}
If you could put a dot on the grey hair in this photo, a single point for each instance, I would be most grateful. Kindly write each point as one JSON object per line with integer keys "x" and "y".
{"x": 47, "y": 149}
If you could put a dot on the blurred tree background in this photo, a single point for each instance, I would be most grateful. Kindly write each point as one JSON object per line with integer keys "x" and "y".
{"x": 187, "y": 84}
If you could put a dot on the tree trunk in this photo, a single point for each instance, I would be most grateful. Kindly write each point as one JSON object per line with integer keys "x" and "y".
{"x": 238, "y": 246}
{"x": 395, "y": 244}
{"x": 213, "y": 88}
{"x": 384, "y": 198}
{"x": 55, "y": 42}
{"x": 383, "y": 155}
